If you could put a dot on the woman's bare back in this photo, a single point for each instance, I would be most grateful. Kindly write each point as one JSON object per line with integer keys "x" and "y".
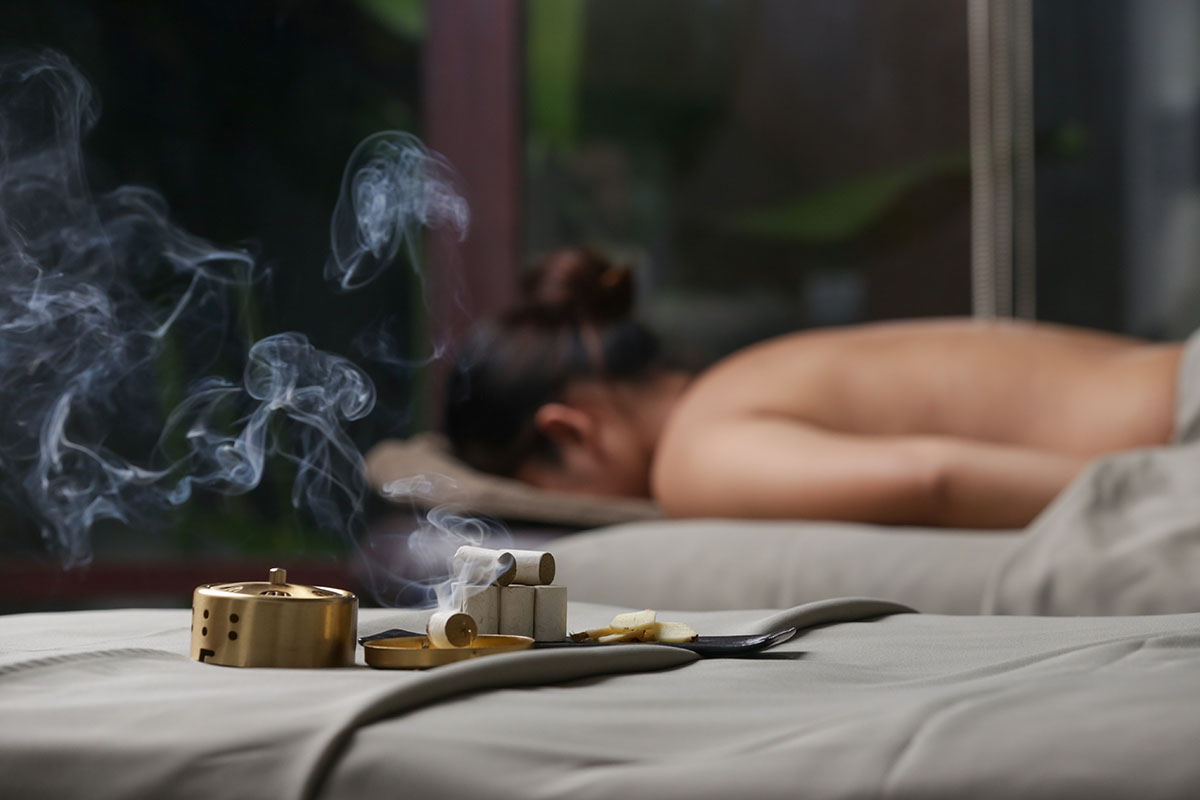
{"x": 868, "y": 400}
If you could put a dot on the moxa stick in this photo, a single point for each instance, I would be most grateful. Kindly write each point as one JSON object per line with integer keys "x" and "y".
{"x": 482, "y": 603}
{"x": 534, "y": 567}
{"x": 516, "y": 610}
{"x": 549, "y": 613}
{"x": 529, "y": 567}
{"x": 481, "y": 565}
{"x": 451, "y": 629}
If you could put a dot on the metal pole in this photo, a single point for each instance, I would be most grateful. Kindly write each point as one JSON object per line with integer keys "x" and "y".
{"x": 1024, "y": 196}
{"x": 983, "y": 270}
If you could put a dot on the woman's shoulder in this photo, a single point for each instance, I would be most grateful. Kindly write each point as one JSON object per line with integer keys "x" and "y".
{"x": 749, "y": 374}
{"x": 817, "y": 374}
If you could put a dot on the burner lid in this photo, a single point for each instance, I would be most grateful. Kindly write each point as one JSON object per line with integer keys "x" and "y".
{"x": 277, "y": 587}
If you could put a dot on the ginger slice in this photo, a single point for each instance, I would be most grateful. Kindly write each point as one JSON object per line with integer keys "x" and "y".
{"x": 638, "y": 626}
{"x": 675, "y": 632}
{"x": 634, "y": 619}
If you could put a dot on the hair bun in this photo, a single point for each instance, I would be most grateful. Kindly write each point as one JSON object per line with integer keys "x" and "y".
{"x": 581, "y": 283}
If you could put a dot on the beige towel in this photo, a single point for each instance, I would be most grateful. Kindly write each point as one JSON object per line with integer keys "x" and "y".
{"x": 422, "y": 471}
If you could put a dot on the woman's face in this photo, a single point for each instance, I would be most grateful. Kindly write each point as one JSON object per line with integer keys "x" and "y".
{"x": 602, "y": 444}
{"x": 623, "y": 466}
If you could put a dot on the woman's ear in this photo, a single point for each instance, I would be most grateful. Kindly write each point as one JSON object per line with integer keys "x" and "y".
{"x": 565, "y": 425}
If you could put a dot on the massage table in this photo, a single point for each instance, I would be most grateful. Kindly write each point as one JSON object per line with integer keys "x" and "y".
{"x": 867, "y": 700}
{"x": 1060, "y": 661}
{"x": 1122, "y": 539}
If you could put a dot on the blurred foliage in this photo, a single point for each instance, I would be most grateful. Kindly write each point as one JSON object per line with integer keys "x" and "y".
{"x": 845, "y": 210}
{"x": 1068, "y": 140}
{"x": 234, "y": 524}
{"x": 601, "y": 151}
{"x": 554, "y": 58}
{"x": 736, "y": 149}
{"x": 405, "y": 18}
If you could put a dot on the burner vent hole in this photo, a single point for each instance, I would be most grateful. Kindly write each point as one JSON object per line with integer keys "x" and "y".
{"x": 275, "y": 593}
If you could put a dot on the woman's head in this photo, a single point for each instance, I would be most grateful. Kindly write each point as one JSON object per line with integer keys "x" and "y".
{"x": 551, "y": 391}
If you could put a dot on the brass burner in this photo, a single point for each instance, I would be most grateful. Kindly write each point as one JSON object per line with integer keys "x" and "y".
{"x": 273, "y": 624}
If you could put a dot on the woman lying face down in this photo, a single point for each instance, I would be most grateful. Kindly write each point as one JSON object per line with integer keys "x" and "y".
{"x": 947, "y": 422}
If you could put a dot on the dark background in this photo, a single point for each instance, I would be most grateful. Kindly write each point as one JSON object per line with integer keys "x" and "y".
{"x": 767, "y": 165}
{"x": 242, "y": 115}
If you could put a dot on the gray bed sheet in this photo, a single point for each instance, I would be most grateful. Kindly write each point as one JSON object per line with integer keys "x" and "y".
{"x": 865, "y": 703}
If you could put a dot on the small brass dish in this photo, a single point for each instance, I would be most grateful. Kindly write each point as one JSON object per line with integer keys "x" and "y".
{"x": 415, "y": 652}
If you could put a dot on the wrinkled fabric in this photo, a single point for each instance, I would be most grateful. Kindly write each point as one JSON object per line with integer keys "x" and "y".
{"x": 907, "y": 706}
{"x": 864, "y": 703}
{"x": 108, "y": 705}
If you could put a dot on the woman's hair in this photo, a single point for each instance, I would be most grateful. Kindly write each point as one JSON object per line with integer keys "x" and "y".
{"x": 574, "y": 321}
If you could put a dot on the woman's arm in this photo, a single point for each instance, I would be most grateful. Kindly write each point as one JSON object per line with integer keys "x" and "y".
{"x": 778, "y": 467}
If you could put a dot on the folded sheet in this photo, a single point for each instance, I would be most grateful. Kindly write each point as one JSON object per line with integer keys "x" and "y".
{"x": 422, "y": 472}
{"x": 907, "y": 706}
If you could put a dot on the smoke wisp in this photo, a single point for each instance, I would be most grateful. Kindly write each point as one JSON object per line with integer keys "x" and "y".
{"x": 96, "y": 288}
{"x": 78, "y": 343}
{"x": 393, "y": 187}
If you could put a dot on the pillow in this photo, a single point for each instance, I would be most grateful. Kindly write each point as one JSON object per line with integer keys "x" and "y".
{"x": 706, "y": 564}
{"x": 422, "y": 471}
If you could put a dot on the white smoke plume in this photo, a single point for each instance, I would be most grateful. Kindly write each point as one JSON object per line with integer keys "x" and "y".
{"x": 393, "y": 187}
{"x": 414, "y": 568}
{"x": 79, "y": 343}
{"x": 315, "y": 390}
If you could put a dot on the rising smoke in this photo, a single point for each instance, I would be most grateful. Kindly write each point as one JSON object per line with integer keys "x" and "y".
{"x": 392, "y": 189}
{"x": 79, "y": 344}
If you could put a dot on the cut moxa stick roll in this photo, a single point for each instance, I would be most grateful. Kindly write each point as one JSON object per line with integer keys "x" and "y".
{"x": 549, "y": 613}
{"x": 516, "y": 610}
{"x": 481, "y": 565}
{"x": 534, "y": 567}
{"x": 451, "y": 629}
{"x": 482, "y": 603}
